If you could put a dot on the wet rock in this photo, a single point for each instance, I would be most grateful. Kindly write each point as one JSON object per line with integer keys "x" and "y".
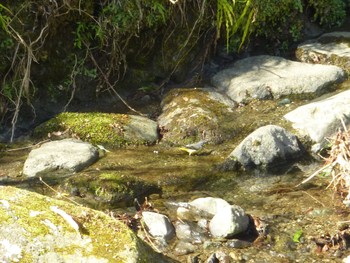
{"x": 35, "y": 228}
{"x": 191, "y": 115}
{"x": 183, "y": 230}
{"x": 330, "y": 48}
{"x": 68, "y": 155}
{"x": 236, "y": 243}
{"x": 184, "y": 213}
{"x": 267, "y": 147}
{"x": 269, "y": 77}
{"x": 184, "y": 248}
{"x": 106, "y": 190}
{"x": 158, "y": 225}
{"x": 228, "y": 221}
{"x": 321, "y": 119}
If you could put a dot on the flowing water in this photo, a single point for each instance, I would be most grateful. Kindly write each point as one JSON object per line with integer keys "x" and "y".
{"x": 307, "y": 211}
{"x": 310, "y": 208}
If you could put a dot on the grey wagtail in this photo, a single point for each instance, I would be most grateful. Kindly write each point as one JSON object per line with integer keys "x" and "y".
{"x": 194, "y": 147}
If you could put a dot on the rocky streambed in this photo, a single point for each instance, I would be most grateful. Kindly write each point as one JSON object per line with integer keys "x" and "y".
{"x": 262, "y": 131}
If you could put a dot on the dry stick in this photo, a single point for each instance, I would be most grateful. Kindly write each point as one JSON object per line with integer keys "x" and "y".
{"x": 58, "y": 193}
{"x": 72, "y": 77}
{"x": 24, "y": 87}
{"x": 111, "y": 87}
{"x": 148, "y": 237}
{"x": 28, "y": 147}
{"x": 314, "y": 174}
{"x": 317, "y": 201}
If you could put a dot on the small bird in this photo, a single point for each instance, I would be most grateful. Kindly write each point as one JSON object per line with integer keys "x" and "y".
{"x": 194, "y": 147}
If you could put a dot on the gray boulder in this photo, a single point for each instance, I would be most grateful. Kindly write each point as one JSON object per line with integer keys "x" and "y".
{"x": 269, "y": 77}
{"x": 158, "y": 225}
{"x": 68, "y": 155}
{"x": 331, "y": 48}
{"x": 321, "y": 119}
{"x": 266, "y": 147}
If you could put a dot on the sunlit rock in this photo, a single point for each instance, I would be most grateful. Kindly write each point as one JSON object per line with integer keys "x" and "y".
{"x": 68, "y": 155}
{"x": 267, "y": 147}
{"x": 36, "y": 228}
{"x": 330, "y": 48}
{"x": 269, "y": 77}
{"x": 228, "y": 221}
{"x": 192, "y": 115}
{"x": 321, "y": 119}
{"x": 225, "y": 220}
{"x": 158, "y": 225}
{"x": 208, "y": 206}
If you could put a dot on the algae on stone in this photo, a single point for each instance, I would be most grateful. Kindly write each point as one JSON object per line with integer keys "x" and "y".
{"x": 113, "y": 130}
{"x": 39, "y": 234}
{"x": 110, "y": 189}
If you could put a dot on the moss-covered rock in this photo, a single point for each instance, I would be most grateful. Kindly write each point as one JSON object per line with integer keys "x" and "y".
{"x": 109, "y": 189}
{"x": 114, "y": 130}
{"x": 35, "y": 228}
{"x": 191, "y": 115}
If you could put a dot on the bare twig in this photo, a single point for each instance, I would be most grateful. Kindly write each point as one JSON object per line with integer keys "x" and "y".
{"x": 28, "y": 147}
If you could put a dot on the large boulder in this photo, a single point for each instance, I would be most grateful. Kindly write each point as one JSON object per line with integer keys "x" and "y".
{"x": 321, "y": 119}
{"x": 68, "y": 155}
{"x": 191, "y": 115}
{"x": 269, "y": 77}
{"x": 330, "y": 48}
{"x": 267, "y": 147}
{"x": 35, "y": 228}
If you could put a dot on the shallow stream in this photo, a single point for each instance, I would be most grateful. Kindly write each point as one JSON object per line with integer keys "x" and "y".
{"x": 310, "y": 209}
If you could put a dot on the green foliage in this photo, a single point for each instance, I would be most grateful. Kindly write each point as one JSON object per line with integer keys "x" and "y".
{"x": 4, "y": 19}
{"x": 297, "y": 236}
{"x": 87, "y": 32}
{"x": 329, "y": 13}
{"x": 230, "y": 15}
{"x": 275, "y": 17}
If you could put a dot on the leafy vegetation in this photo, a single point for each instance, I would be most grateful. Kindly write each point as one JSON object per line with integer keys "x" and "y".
{"x": 51, "y": 49}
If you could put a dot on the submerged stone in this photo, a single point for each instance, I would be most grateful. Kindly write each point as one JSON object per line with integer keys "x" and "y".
{"x": 109, "y": 190}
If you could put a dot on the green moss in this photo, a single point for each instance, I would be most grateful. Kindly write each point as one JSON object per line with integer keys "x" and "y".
{"x": 109, "y": 237}
{"x": 112, "y": 189}
{"x": 201, "y": 118}
{"x": 97, "y": 128}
